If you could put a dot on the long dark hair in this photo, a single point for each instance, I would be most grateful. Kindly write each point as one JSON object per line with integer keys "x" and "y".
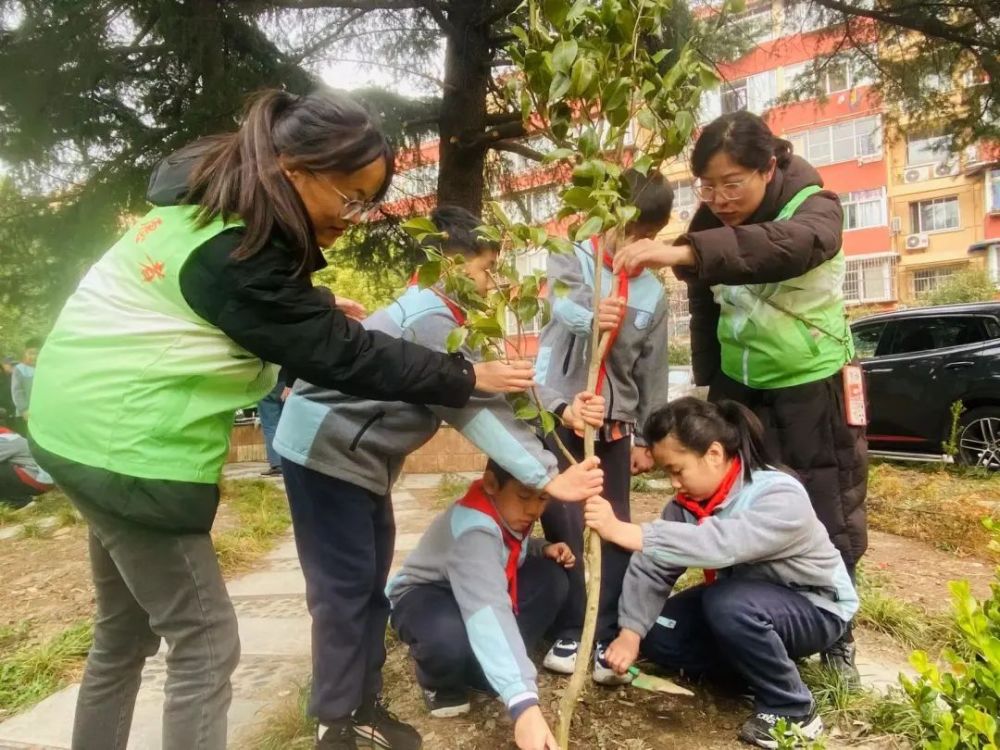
{"x": 745, "y": 137}
{"x": 696, "y": 424}
{"x": 239, "y": 174}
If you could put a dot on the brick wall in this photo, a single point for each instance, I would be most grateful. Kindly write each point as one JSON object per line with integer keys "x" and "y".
{"x": 448, "y": 451}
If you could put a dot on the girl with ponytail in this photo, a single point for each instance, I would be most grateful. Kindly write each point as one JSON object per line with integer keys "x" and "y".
{"x": 776, "y": 589}
{"x": 185, "y": 319}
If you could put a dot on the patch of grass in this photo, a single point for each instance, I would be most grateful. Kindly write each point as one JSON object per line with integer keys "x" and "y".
{"x": 35, "y": 530}
{"x": 640, "y": 483}
{"x": 262, "y": 515}
{"x": 449, "y": 489}
{"x": 939, "y": 504}
{"x": 902, "y": 621}
{"x": 32, "y": 672}
{"x": 12, "y": 636}
{"x": 691, "y": 577}
{"x": 52, "y": 504}
{"x": 287, "y": 726}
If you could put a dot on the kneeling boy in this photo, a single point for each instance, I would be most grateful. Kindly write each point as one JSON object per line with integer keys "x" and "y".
{"x": 476, "y": 595}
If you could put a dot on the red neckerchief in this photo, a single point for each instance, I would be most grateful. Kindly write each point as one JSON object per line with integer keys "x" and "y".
{"x": 456, "y": 311}
{"x": 702, "y": 509}
{"x": 623, "y": 277}
{"x": 477, "y": 499}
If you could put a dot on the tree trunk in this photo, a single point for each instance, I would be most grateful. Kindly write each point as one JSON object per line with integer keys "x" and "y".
{"x": 463, "y": 107}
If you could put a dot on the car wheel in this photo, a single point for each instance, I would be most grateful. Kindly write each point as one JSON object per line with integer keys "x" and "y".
{"x": 979, "y": 438}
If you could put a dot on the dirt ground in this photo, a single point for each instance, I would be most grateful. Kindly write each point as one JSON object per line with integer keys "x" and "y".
{"x": 46, "y": 583}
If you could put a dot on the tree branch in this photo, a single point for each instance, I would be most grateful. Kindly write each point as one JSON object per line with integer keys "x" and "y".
{"x": 501, "y": 9}
{"x": 516, "y": 147}
{"x": 447, "y": 27}
{"x": 348, "y": 4}
{"x": 926, "y": 24}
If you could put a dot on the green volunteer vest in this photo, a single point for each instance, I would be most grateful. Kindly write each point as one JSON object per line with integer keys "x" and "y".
{"x": 131, "y": 379}
{"x": 790, "y": 332}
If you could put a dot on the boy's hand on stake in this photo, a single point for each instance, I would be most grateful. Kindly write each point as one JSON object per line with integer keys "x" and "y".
{"x": 578, "y": 482}
{"x": 610, "y": 312}
{"x": 623, "y": 651}
{"x": 501, "y": 377}
{"x": 531, "y": 731}
{"x": 585, "y": 409}
{"x": 561, "y": 553}
{"x": 642, "y": 460}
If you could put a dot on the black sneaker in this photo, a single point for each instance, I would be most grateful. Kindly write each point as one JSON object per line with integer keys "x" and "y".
{"x": 338, "y": 736}
{"x": 446, "y": 704}
{"x": 840, "y": 659}
{"x": 273, "y": 471}
{"x": 376, "y": 727}
{"x": 757, "y": 730}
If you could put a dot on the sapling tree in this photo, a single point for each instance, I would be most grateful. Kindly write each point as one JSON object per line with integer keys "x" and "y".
{"x": 596, "y": 79}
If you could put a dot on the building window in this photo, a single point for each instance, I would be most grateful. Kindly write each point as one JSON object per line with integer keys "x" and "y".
{"x": 734, "y": 96}
{"x": 836, "y": 75}
{"x": 527, "y": 263}
{"x": 993, "y": 262}
{"x": 534, "y": 207}
{"x": 870, "y": 278}
{"x": 864, "y": 208}
{"x": 684, "y": 195}
{"x": 844, "y": 141}
{"x": 937, "y": 215}
{"x": 927, "y": 280}
{"x": 993, "y": 191}
{"x": 930, "y": 150}
{"x": 757, "y": 25}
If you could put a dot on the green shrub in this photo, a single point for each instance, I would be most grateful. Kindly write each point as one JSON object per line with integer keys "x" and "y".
{"x": 959, "y": 701}
{"x": 971, "y": 284}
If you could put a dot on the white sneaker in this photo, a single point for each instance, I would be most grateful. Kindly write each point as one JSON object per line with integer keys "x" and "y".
{"x": 603, "y": 674}
{"x": 561, "y": 657}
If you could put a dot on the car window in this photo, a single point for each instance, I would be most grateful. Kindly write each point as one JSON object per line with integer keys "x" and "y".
{"x": 866, "y": 338}
{"x": 992, "y": 328}
{"x": 924, "y": 333}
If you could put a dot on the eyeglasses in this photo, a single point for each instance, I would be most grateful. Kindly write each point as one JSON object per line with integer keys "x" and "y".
{"x": 730, "y": 191}
{"x": 355, "y": 209}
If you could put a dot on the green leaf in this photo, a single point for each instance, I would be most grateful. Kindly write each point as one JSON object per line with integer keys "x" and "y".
{"x": 560, "y": 288}
{"x": 589, "y": 228}
{"x": 555, "y": 11}
{"x": 615, "y": 94}
{"x": 527, "y": 308}
{"x": 521, "y": 34}
{"x": 588, "y": 143}
{"x": 647, "y": 120}
{"x": 527, "y": 412}
{"x": 560, "y": 86}
{"x": 557, "y": 154}
{"x": 548, "y": 422}
{"x": 583, "y": 77}
{"x": 429, "y": 273}
{"x": 559, "y": 245}
{"x": 420, "y": 226}
{"x": 564, "y": 54}
{"x": 456, "y": 338}
{"x": 579, "y": 198}
{"x": 658, "y": 57}
{"x": 684, "y": 121}
{"x": 538, "y": 236}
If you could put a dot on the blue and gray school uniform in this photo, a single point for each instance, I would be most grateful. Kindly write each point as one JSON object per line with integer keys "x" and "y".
{"x": 637, "y": 363}
{"x": 782, "y": 593}
{"x": 463, "y": 551}
{"x": 366, "y": 442}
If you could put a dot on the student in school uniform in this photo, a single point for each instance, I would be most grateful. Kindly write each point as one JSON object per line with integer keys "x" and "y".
{"x": 633, "y": 382}
{"x": 475, "y": 597}
{"x": 776, "y": 588}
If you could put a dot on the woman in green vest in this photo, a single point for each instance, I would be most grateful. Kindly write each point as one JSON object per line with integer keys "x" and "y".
{"x": 764, "y": 267}
{"x": 185, "y": 319}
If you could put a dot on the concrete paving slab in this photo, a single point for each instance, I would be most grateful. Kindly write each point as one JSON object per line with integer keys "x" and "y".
{"x": 275, "y": 636}
{"x": 278, "y": 583}
{"x": 407, "y": 542}
{"x": 285, "y": 550}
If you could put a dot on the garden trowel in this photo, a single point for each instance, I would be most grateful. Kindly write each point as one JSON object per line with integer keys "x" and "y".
{"x": 656, "y": 684}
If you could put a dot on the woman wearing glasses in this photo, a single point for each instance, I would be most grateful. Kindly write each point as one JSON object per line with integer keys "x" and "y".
{"x": 170, "y": 332}
{"x": 765, "y": 273}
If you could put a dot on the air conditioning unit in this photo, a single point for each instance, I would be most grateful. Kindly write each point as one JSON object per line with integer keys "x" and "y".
{"x": 916, "y": 174}
{"x": 685, "y": 214}
{"x": 896, "y": 225}
{"x": 972, "y": 155}
{"x": 946, "y": 168}
{"x": 918, "y": 241}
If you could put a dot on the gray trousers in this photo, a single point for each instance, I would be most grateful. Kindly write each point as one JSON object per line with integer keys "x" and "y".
{"x": 155, "y": 577}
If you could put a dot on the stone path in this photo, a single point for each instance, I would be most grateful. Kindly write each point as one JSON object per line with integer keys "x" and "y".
{"x": 274, "y": 632}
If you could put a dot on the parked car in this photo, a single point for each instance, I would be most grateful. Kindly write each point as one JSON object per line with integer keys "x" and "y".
{"x": 917, "y": 364}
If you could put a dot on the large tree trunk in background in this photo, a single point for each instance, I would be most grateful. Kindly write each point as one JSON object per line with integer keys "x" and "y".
{"x": 463, "y": 107}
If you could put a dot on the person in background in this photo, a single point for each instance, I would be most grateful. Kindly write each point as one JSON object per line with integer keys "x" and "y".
{"x": 7, "y": 410}
{"x": 633, "y": 383}
{"x": 776, "y": 589}
{"x": 763, "y": 262}
{"x": 476, "y": 596}
{"x": 269, "y": 411}
{"x": 21, "y": 382}
{"x": 21, "y": 478}
{"x": 184, "y": 320}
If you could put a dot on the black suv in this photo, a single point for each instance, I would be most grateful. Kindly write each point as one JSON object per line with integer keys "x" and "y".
{"x": 917, "y": 363}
